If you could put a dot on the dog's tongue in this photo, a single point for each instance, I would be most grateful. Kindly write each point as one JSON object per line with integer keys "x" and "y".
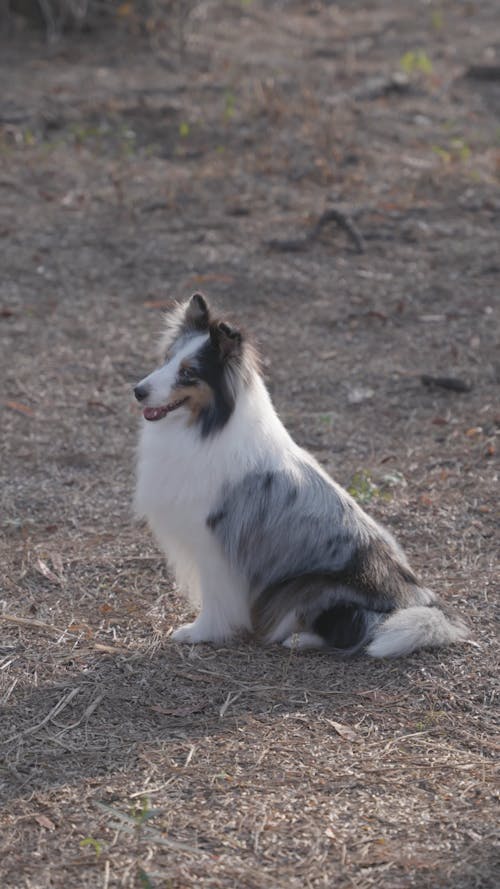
{"x": 155, "y": 413}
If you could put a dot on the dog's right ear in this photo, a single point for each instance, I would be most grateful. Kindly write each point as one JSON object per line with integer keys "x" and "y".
{"x": 197, "y": 314}
{"x": 227, "y": 340}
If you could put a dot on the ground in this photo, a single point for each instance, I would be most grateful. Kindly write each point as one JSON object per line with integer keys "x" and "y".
{"x": 134, "y": 171}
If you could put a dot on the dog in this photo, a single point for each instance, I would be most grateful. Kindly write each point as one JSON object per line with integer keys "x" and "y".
{"x": 256, "y": 532}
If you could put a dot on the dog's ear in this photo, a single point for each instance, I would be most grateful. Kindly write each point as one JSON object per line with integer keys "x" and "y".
{"x": 197, "y": 314}
{"x": 227, "y": 340}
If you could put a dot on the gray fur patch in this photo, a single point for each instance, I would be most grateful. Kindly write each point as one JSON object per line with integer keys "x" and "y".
{"x": 302, "y": 542}
{"x": 276, "y": 525}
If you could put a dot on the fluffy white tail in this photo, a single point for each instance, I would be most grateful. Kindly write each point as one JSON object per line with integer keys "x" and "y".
{"x": 420, "y": 626}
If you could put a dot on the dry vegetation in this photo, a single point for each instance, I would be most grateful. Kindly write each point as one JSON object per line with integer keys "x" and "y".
{"x": 134, "y": 170}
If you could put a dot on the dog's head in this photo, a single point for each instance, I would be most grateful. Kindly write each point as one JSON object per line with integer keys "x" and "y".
{"x": 205, "y": 361}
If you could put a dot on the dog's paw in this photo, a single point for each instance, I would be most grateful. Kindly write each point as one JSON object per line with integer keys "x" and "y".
{"x": 204, "y": 629}
{"x": 198, "y": 632}
{"x": 188, "y": 633}
{"x": 304, "y": 640}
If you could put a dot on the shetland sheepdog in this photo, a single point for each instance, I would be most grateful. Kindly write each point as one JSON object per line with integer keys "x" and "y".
{"x": 257, "y": 533}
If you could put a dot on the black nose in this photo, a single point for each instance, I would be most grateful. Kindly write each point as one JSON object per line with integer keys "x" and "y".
{"x": 140, "y": 392}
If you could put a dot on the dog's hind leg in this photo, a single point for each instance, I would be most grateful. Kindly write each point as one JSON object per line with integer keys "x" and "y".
{"x": 286, "y": 627}
{"x": 288, "y": 633}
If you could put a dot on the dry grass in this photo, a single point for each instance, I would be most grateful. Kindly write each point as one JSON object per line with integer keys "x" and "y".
{"x": 125, "y": 760}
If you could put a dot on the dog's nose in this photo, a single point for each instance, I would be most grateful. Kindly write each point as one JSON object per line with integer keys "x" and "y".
{"x": 140, "y": 392}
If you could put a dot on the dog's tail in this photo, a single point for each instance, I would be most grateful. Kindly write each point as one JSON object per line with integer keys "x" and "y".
{"x": 420, "y": 626}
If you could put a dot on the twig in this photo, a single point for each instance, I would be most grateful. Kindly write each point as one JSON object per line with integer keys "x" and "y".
{"x": 483, "y": 72}
{"x": 87, "y": 713}
{"x": 154, "y": 206}
{"x": 147, "y": 791}
{"x": 401, "y": 738}
{"x": 59, "y": 707}
{"x": 231, "y": 698}
{"x": 331, "y": 215}
{"x": 190, "y": 755}
{"x": 452, "y": 383}
{"x": 105, "y": 407}
{"x": 106, "y": 875}
{"x": 107, "y": 649}
{"x": 41, "y": 625}
{"x": 30, "y": 622}
{"x": 10, "y": 690}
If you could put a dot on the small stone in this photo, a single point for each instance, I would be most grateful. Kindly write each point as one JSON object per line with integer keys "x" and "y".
{"x": 358, "y": 394}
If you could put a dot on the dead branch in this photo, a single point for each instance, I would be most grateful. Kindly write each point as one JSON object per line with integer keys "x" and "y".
{"x": 454, "y": 384}
{"x": 331, "y": 215}
{"x": 483, "y": 72}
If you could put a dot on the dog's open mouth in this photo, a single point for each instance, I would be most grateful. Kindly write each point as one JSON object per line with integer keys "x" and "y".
{"x": 156, "y": 413}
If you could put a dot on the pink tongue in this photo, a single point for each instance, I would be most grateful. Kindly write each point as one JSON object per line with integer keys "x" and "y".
{"x": 154, "y": 413}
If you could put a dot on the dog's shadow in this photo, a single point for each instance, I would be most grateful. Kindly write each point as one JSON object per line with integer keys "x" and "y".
{"x": 103, "y": 719}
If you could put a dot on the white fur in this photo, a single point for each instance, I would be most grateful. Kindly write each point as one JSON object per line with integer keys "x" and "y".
{"x": 161, "y": 381}
{"x": 412, "y": 628}
{"x": 284, "y": 629}
{"x": 180, "y": 479}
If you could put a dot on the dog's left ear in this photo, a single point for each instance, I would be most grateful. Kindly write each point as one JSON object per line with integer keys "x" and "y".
{"x": 197, "y": 313}
{"x": 227, "y": 340}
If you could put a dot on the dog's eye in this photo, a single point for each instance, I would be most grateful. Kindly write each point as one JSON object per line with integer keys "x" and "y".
{"x": 187, "y": 376}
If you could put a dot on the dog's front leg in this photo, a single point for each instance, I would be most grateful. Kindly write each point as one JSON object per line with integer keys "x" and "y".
{"x": 224, "y": 603}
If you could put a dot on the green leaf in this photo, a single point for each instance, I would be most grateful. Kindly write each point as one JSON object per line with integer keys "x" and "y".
{"x": 416, "y": 60}
{"x": 90, "y": 841}
{"x": 362, "y": 488}
{"x": 144, "y": 879}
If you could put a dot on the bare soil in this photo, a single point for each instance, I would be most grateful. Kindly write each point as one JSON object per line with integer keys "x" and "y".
{"x": 132, "y": 175}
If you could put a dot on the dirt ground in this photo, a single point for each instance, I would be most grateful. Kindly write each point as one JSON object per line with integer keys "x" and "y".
{"x": 132, "y": 173}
